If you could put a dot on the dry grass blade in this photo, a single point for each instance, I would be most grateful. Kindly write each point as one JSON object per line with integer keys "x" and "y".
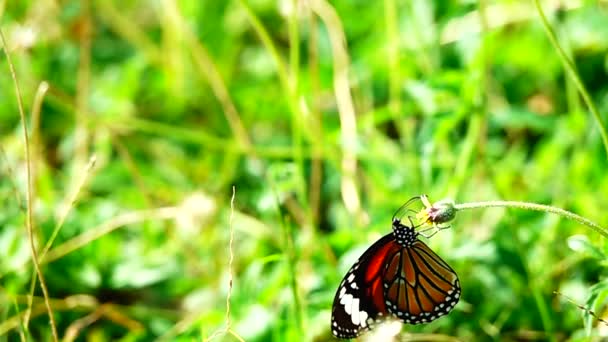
{"x": 106, "y": 310}
{"x": 109, "y": 226}
{"x": 75, "y": 302}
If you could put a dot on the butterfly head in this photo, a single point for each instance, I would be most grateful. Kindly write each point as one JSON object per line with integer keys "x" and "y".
{"x": 403, "y": 224}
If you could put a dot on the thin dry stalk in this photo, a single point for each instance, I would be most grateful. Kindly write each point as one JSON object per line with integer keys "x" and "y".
{"x": 71, "y": 303}
{"x": 107, "y": 227}
{"x": 121, "y": 25}
{"x": 187, "y": 322}
{"x": 131, "y": 165}
{"x": 83, "y": 77}
{"x": 587, "y": 310}
{"x": 208, "y": 68}
{"x": 346, "y": 108}
{"x": 71, "y": 201}
{"x": 78, "y": 325}
{"x": 43, "y": 87}
{"x": 19, "y": 314}
{"x": 228, "y": 328}
{"x": 29, "y": 199}
{"x": 316, "y": 120}
{"x": 11, "y": 176}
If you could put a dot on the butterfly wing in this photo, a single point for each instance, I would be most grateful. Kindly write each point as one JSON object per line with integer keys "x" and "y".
{"x": 359, "y": 302}
{"x": 420, "y": 286}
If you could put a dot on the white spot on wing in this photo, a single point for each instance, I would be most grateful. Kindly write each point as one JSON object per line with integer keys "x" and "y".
{"x": 347, "y": 301}
{"x": 350, "y": 278}
{"x": 363, "y": 318}
{"x": 355, "y": 311}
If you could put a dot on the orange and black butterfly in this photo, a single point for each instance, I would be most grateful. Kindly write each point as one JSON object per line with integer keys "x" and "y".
{"x": 399, "y": 276}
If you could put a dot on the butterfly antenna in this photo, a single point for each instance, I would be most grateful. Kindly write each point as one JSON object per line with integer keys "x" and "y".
{"x": 405, "y": 205}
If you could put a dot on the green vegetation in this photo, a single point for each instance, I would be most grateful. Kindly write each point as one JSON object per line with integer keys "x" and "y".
{"x": 324, "y": 117}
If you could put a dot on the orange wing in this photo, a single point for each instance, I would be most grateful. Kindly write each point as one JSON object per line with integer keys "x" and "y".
{"x": 419, "y": 286}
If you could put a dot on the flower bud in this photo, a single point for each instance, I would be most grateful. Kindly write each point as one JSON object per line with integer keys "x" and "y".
{"x": 438, "y": 212}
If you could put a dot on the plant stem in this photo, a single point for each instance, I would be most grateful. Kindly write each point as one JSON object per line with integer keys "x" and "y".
{"x": 569, "y": 66}
{"x": 292, "y": 261}
{"x": 535, "y": 207}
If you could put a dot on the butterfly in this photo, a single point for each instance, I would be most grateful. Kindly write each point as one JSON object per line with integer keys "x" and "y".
{"x": 399, "y": 277}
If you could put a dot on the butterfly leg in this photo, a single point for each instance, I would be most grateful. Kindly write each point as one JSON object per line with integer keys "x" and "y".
{"x": 434, "y": 230}
{"x": 412, "y": 224}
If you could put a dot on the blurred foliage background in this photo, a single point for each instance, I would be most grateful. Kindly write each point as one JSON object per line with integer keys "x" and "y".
{"x": 325, "y": 117}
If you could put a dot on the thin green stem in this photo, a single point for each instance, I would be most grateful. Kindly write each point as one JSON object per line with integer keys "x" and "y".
{"x": 210, "y": 141}
{"x": 569, "y": 66}
{"x": 543, "y": 310}
{"x": 394, "y": 74}
{"x": 264, "y": 36}
{"x": 294, "y": 45}
{"x": 292, "y": 261}
{"x": 476, "y": 97}
{"x": 288, "y": 76}
{"x": 297, "y": 121}
{"x": 536, "y": 207}
{"x": 537, "y": 293}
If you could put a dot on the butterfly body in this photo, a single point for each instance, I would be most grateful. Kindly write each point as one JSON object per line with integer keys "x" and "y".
{"x": 399, "y": 276}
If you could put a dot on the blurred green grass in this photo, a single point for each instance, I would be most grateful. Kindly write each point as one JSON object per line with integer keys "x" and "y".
{"x": 180, "y": 101}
